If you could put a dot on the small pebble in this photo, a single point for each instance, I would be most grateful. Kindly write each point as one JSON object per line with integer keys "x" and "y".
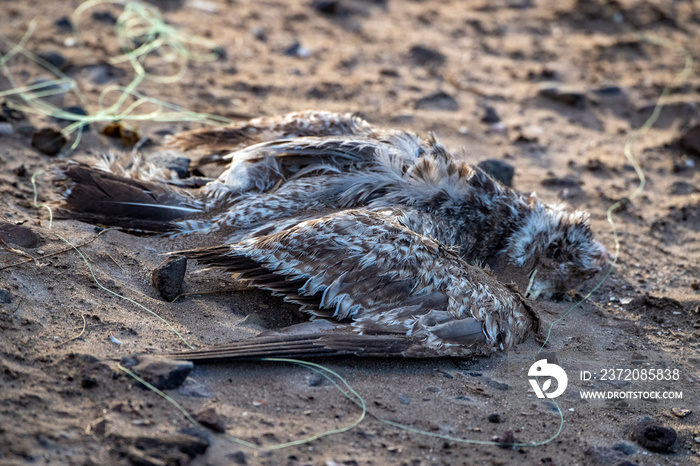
{"x": 316, "y": 380}
{"x": 104, "y": 16}
{"x": 164, "y": 374}
{"x": 55, "y": 59}
{"x": 495, "y": 418}
{"x": 297, "y": 50}
{"x": 425, "y": 56}
{"x": 195, "y": 389}
{"x": 63, "y": 23}
{"x": 490, "y": 116}
{"x": 210, "y": 419}
{"x": 5, "y": 297}
{"x": 500, "y": 170}
{"x": 562, "y": 94}
{"x": 404, "y": 400}
{"x": 238, "y": 457}
{"x": 168, "y": 276}
{"x": 437, "y": 101}
{"x": 48, "y": 141}
{"x": 327, "y": 7}
{"x": 6, "y": 129}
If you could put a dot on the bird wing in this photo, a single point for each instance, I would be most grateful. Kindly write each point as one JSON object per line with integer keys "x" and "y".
{"x": 267, "y": 165}
{"x": 309, "y": 123}
{"x": 365, "y": 267}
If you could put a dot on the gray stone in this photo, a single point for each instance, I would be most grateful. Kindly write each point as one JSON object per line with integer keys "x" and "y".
{"x": 500, "y": 170}
{"x": 427, "y": 57}
{"x": 193, "y": 388}
{"x": 164, "y": 374}
{"x": 5, "y": 297}
{"x": 563, "y": 94}
{"x": 438, "y": 101}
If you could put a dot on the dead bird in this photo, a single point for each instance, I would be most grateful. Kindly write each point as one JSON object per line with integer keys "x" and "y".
{"x": 381, "y": 237}
{"x": 326, "y": 163}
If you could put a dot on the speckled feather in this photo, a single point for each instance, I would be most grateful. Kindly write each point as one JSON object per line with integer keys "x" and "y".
{"x": 367, "y": 268}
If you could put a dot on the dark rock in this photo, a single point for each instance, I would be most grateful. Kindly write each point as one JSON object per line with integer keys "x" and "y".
{"x": 237, "y": 457}
{"x": 20, "y": 171}
{"x": 10, "y": 114}
{"x": 682, "y": 188}
{"x": 690, "y": 140}
{"x": 167, "y": 277}
{"x": 438, "y": 101}
{"x": 563, "y": 182}
{"x": 210, "y": 419}
{"x": 624, "y": 448}
{"x": 499, "y": 170}
{"x": 603, "y": 455}
{"x": 327, "y": 7}
{"x": 427, "y": 57}
{"x": 565, "y": 95}
{"x": 89, "y": 382}
{"x": 220, "y": 53}
{"x": 653, "y": 436}
{"x": 164, "y": 374}
{"x": 173, "y": 162}
{"x": 608, "y": 91}
{"x": 404, "y": 400}
{"x": 104, "y": 16}
{"x": 297, "y": 50}
{"x": 191, "y": 387}
{"x": 55, "y": 59}
{"x": 490, "y": 116}
{"x": 63, "y": 23}
{"x": 595, "y": 165}
{"x": 19, "y": 235}
{"x": 495, "y": 418}
{"x": 158, "y": 445}
{"x": 5, "y": 297}
{"x": 48, "y": 141}
{"x": 507, "y": 441}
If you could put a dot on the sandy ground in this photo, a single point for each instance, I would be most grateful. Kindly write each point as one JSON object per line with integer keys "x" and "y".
{"x": 63, "y": 401}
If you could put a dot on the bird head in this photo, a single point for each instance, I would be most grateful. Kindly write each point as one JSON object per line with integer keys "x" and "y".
{"x": 557, "y": 250}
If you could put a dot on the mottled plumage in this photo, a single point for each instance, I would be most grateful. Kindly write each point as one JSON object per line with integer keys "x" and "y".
{"x": 367, "y": 269}
{"x": 391, "y": 223}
